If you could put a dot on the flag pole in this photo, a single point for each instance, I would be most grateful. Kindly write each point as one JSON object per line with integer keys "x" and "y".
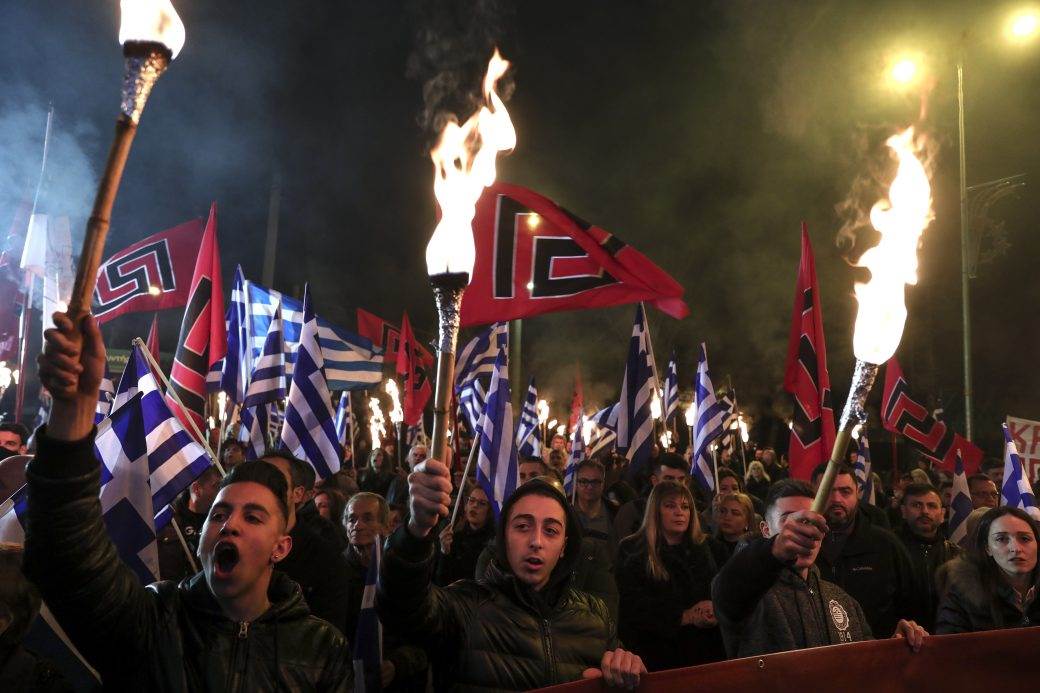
{"x": 138, "y": 342}
{"x": 650, "y": 347}
{"x": 184, "y": 544}
{"x": 350, "y": 429}
{"x": 465, "y": 475}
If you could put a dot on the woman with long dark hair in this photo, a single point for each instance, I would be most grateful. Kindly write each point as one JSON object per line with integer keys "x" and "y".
{"x": 994, "y": 585}
{"x": 664, "y": 574}
{"x": 460, "y": 544}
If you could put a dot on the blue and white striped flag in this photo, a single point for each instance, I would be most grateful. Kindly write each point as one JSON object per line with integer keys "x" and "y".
{"x": 237, "y": 364}
{"x": 368, "y": 640}
{"x": 604, "y": 428}
{"x": 309, "y": 431}
{"x": 352, "y": 362}
{"x": 105, "y": 396}
{"x": 255, "y": 423}
{"x": 1016, "y": 491}
{"x": 267, "y": 382}
{"x": 344, "y": 420}
{"x": 473, "y": 368}
{"x": 570, "y": 472}
{"x": 497, "y": 469}
{"x": 147, "y": 459}
{"x": 137, "y": 377}
{"x": 708, "y": 424}
{"x": 671, "y": 390}
{"x": 960, "y": 505}
{"x": 862, "y": 469}
{"x": 529, "y": 433}
{"x": 635, "y": 425}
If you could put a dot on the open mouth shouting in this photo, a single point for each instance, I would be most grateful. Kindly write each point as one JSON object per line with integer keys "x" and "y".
{"x": 225, "y": 558}
{"x": 533, "y": 564}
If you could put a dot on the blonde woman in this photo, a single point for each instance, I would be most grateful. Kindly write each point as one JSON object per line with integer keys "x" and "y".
{"x": 664, "y": 574}
{"x": 734, "y": 522}
{"x": 757, "y": 481}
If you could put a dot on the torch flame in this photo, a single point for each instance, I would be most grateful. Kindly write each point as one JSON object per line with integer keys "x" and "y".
{"x": 396, "y": 412}
{"x": 376, "y": 427}
{"x": 151, "y": 21}
{"x": 587, "y": 426}
{"x": 543, "y": 411}
{"x": 893, "y": 261}
{"x": 464, "y": 164}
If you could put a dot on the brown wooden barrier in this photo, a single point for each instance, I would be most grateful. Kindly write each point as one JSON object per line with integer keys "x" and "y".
{"x": 1004, "y": 661}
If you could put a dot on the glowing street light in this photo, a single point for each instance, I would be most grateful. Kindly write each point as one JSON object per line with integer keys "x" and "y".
{"x": 1023, "y": 26}
{"x": 904, "y": 72}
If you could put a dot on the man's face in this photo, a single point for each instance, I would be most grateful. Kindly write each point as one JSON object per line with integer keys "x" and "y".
{"x": 11, "y": 443}
{"x": 204, "y": 491}
{"x": 535, "y": 538}
{"x": 774, "y": 523}
{"x": 559, "y": 443}
{"x": 590, "y": 484}
{"x": 558, "y": 460}
{"x": 243, "y": 536}
{"x": 363, "y": 524}
{"x": 321, "y": 504}
{"x": 529, "y": 470}
{"x": 923, "y": 514}
{"x": 667, "y": 474}
{"x": 984, "y": 493}
{"x": 418, "y": 454}
{"x": 728, "y": 485}
{"x": 768, "y": 458}
{"x": 996, "y": 475}
{"x": 841, "y": 506}
{"x": 233, "y": 456}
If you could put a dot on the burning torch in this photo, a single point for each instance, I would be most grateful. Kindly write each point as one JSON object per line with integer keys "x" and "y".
{"x": 464, "y": 164}
{"x": 881, "y": 315}
{"x": 152, "y": 35}
{"x": 397, "y": 419}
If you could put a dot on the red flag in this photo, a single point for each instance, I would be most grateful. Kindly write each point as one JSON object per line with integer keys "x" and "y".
{"x": 901, "y": 413}
{"x": 535, "y": 257}
{"x": 203, "y": 337}
{"x": 413, "y": 371}
{"x": 806, "y": 377}
{"x": 152, "y": 274}
{"x": 153, "y": 338}
{"x": 577, "y": 403}
{"x": 386, "y": 336}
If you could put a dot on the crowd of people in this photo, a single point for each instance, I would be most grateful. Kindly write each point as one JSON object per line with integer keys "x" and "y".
{"x": 634, "y": 571}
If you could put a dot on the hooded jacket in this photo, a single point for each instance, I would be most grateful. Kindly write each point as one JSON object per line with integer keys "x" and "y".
{"x": 164, "y": 637}
{"x": 496, "y": 632}
{"x": 763, "y": 606}
{"x": 926, "y": 557}
{"x": 968, "y": 605}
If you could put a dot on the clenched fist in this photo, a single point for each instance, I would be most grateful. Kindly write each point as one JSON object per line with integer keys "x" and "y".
{"x": 429, "y": 494}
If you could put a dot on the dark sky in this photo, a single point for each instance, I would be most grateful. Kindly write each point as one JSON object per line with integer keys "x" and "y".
{"x": 700, "y": 132}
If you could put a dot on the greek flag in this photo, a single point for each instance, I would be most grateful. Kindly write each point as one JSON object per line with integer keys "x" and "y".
{"x": 352, "y": 362}
{"x": 497, "y": 469}
{"x": 960, "y": 505}
{"x": 105, "y": 396}
{"x": 635, "y": 426}
{"x": 368, "y": 640}
{"x": 671, "y": 390}
{"x": 473, "y": 368}
{"x": 1016, "y": 491}
{"x": 255, "y": 422}
{"x": 137, "y": 377}
{"x": 267, "y": 383}
{"x": 236, "y": 365}
{"x": 862, "y": 469}
{"x": 604, "y": 428}
{"x": 309, "y": 431}
{"x": 344, "y": 420}
{"x": 147, "y": 458}
{"x": 710, "y": 418}
{"x": 570, "y": 473}
{"x": 529, "y": 433}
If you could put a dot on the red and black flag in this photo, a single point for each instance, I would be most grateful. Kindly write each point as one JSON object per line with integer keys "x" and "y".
{"x": 203, "y": 338}
{"x": 901, "y": 413}
{"x": 535, "y": 257}
{"x": 385, "y": 336}
{"x": 414, "y": 372}
{"x": 152, "y": 274}
{"x": 806, "y": 377}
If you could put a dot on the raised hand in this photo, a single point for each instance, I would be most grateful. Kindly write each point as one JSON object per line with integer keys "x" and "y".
{"x": 800, "y": 534}
{"x": 429, "y": 495}
{"x": 71, "y": 367}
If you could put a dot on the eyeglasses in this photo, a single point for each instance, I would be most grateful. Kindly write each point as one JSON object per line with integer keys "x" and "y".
{"x": 589, "y": 482}
{"x": 477, "y": 502}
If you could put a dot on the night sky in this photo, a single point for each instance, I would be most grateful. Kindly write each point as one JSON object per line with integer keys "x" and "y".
{"x": 702, "y": 133}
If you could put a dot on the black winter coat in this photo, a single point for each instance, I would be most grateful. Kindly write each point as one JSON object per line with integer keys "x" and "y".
{"x": 466, "y": 546}
{"x": 494, "y": 633}
{"x": 926, "y": 557}
{"x": 968, "y": 606}
{"x": 874, "y": 568}
{"x": 650, "y": 617}
{"x": 165, "y": 637}
{"x": 318, "y": 566}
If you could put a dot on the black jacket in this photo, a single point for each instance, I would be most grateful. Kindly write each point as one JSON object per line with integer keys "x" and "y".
{"x": 650, "y": 617}
{"x": 318, "y": 566}
{"x": 466, "y": 546}
{"x": 332, "y": 533}
{"x": 926, "y": 557}
{"x": 968, "y": 606}
{"x": 22, "y": 671}
{"x": 763, "y": 606}
{"x": 173, "y": 563}
{"x": 874, "y": 568}
{"x": 165, "y": 637}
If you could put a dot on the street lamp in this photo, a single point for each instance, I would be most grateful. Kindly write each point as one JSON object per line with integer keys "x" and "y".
{"x": 1023, "y": 26}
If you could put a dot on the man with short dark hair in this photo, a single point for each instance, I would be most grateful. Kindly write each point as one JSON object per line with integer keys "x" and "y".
{"x": 529, "y": 468}
{"x": 867, "y": 511}
{"x": 865, "y": 560}
{"x": 667, "y": 467}
{"x": 595, "y": 516}
{"x": 519, "y": 627}
{"x": 921, "y": 534}
{"x": 770, "y": 597}
{"x": 983, "y": 491}
{"x": 13, "y": 439}
{"x": 238, "y": 624}
{"x": 189, "y": 510}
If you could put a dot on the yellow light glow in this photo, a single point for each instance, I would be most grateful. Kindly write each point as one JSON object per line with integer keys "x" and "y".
{"x": 691, "y": 414}
{"x": 151, "y": 21}
{"x": 154, "y": 290}
{"x": 561, "y": 430}
{"x": 376, "y": 423}
{"x": 655, "y": 406}
{"x": 396, "y": 412}
{"x": 1023, "y": 26}
{"x": 464, "y": 164}
{"x": 533, "y": 220}
{"x": 586, "y": 429}
{"x": 552, "y": 423}
{"x": 543, "y": 411}
{"x": 893, "y": 261}
{"x": 904, "y": 71}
